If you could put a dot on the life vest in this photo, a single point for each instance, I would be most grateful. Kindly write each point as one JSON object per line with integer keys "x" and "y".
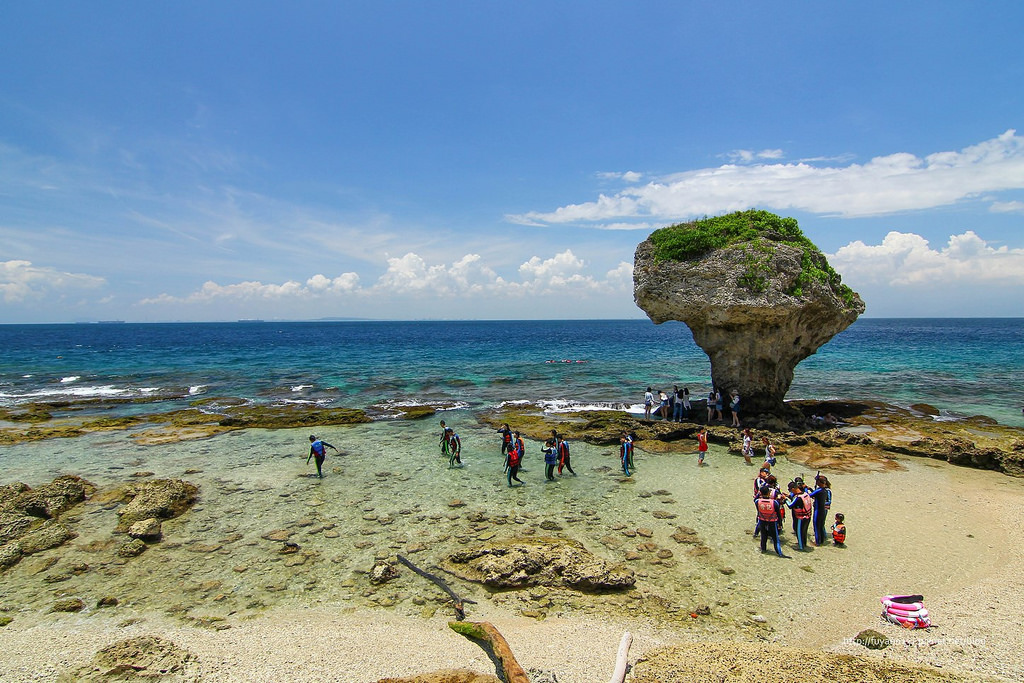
{"x": 702, "y": 441}
{"x": 563, "y": 451}
{"x": 520, "y": 446}
{"x": 766, "y": 510}
{"x": 839, "y": 533}
{"x": 506, "y": 437}
{"x": 805, "y": 511}
{"x": 318, "y": 448}
{"x": 514, "y": 455}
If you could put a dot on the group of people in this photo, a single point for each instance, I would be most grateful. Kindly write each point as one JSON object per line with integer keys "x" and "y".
{"x": 513, "y": 449}
{"x": 809, "y": 506}
{"x": 674, "y": 406}
{"x": 451, "y": 446}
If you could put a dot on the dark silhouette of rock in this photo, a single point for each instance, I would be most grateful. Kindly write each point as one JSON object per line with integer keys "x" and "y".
{"x": 757, "y": 295}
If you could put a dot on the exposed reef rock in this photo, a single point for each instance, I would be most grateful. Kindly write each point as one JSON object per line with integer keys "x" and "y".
{"x": 159, "y": 499}
{"x": 28, "y": 517}
{"x": 541, "y": 561}
{"x": 139, "y": 658}
{"x": 757, "y": 295}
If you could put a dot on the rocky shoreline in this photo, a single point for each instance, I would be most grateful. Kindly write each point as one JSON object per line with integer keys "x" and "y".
{"x": 154, "y": 548}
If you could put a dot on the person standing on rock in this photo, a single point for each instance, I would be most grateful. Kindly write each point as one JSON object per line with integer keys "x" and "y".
{"x": 318, "y": 449}
{"x": 718, "y": 405}
{"x": 648, "y": 403}
{"x": 711, "y": 405}
{"x": 734, "y": 408}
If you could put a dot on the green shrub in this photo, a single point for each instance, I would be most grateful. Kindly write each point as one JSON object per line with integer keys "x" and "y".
{"x": 756, "y": 230}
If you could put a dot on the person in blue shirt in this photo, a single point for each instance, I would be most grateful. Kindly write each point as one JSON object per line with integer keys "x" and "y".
{"x": 550, "y": 459}
{"x": 318, "y": 449}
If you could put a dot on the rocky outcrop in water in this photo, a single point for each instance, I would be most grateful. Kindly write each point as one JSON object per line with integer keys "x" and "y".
{"x": 756, "y": 294}
{"x": 541, "y": 561}
{"x": 28, "y": 517}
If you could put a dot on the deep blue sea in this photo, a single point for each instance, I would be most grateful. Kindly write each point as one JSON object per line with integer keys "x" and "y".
{"x": 961, "y": 366}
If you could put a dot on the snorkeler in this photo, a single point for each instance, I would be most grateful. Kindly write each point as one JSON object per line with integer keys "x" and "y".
{"x": 317, "y": 449}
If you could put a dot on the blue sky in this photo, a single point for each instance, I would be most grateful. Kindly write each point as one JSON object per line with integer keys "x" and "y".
{"x": 405, "y": 160}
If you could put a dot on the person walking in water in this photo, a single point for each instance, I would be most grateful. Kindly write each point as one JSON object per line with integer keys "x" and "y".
{"x": 506, "y": 441}
{"x": 515, "y": 456}
{"x": 562, "y": 446}
{"x": 626, "y": 453}
{"x": 443, "y": 443}
{"x": 454, "y": 448}
{"x": 318, "y": 449}
{"x": 550, "y": 459}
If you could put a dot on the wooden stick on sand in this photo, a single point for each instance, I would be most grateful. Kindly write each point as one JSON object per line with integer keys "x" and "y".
{"x": 460, "y": 612}
{"x": 485, "y": 631}
{"x": 619, "y": 674}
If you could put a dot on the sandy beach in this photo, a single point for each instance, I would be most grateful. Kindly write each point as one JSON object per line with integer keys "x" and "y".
{"x": 928, "y": 527}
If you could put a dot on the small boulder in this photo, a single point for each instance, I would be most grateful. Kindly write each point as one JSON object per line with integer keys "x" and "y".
{"x": 872, "y": 639}
{"x": 132, "y": 548}
{"x": 68, "y": 605}
{"x": 382, "y": 572}
{"x": 146, "y": 529}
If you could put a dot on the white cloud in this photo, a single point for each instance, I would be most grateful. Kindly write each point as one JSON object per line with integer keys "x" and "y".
{"x": 746, "y": 156}
{"x": 628, "y": 176}
{"x": 904, "y": 259}
{"x": 884, "y": 185}
{"x": 412, "y": 277}
{"x": 1007, "y": 207}
{"x": 20, "y": 281}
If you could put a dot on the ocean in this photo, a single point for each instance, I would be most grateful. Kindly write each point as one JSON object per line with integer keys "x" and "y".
{"x": 961, "y": 366}
{"x": 390, "y": 490}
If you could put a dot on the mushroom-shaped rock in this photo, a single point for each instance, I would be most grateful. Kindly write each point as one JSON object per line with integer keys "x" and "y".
{"x": 757, "y": 295}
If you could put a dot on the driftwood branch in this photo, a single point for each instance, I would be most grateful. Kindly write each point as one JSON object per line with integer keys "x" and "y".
{"x": 460, "y": 612}
{"x": 619, "y": 674}
{"x": 485, "y": 631}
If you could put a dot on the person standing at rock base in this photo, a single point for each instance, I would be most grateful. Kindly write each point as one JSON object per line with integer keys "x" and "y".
{"x": 318, "y": 449}
{"x": 734, "y": 408}
{"x": 702, "y": 445}
{"x": 648, "y": 403}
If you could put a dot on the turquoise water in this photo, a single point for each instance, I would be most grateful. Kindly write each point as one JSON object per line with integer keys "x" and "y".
{"x": 962, "y": 366}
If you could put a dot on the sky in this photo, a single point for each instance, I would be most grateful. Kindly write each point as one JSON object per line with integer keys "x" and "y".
{"x": 495, "y": 160}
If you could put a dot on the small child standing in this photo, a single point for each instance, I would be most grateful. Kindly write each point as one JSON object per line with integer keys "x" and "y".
{"x": 839, "y": 530}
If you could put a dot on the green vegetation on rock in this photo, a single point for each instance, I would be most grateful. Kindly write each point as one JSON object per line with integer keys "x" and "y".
{"x": 754, "y": 232}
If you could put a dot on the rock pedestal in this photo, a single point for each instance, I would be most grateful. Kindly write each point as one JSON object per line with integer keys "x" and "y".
{"x": 756, "y": 335}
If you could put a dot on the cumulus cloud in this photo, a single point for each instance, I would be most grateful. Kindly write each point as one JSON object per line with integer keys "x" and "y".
{"x": 411, "y": 276}
{"x": 884, "y": 185}
{"x": 20, "y": 281}
{"x": 904, "y": 259}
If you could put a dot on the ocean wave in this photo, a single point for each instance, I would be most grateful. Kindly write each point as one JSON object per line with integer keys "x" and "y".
{"x": 301, "y": 387}
{"x": 69, "y": 379}
{"x": 197, "y": 389}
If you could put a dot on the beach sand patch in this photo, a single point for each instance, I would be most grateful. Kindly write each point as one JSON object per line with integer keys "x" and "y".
{"x": 733, "y": 661}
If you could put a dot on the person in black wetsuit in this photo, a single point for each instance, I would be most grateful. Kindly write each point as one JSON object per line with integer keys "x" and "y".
{"x": 768, "y": 517}
{"x": 506, "y": 441}
{"x": 562, "y": 448}
{"x": 318, "y": 449}
{"x": 822, "y": 496}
